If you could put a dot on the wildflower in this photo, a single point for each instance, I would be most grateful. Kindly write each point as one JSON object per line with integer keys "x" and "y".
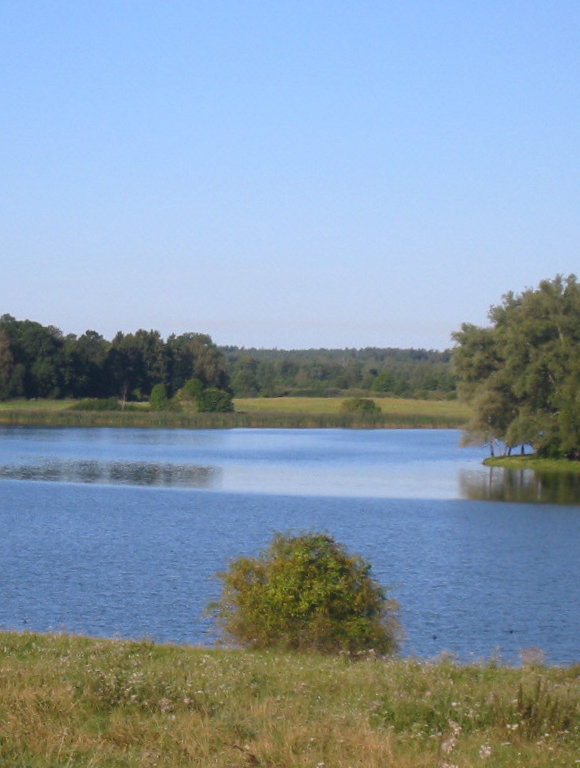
{"x": 449, "y": 744}
{"x": 455, "y": 727}
{"x": 484, "y": 751}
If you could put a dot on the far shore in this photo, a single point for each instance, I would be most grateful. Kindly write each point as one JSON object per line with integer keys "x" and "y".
{"x": 259, "y": 412}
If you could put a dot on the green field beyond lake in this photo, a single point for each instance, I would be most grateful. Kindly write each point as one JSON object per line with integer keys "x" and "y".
{"x": 249, "y": 412}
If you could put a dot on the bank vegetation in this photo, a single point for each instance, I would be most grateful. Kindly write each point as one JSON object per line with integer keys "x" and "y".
{"x": 73, "y": 701}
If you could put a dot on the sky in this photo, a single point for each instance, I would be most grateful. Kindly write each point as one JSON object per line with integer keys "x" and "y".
{"x": 299, "y": 174}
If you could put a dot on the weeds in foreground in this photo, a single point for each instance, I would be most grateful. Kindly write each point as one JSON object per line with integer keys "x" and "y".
{"x": 68, "y": 701}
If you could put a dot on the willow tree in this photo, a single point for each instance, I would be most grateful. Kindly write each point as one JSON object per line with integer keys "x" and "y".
{"x": 522, "y": 373}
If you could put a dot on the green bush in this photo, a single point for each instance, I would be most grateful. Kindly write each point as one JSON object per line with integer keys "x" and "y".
{"x": 306, "y": 592}
{"x": 360, "y": 405}
{"x": 214, "y": 400}
{"x": 158, "y": 400}
{"x": 192, "y": 389}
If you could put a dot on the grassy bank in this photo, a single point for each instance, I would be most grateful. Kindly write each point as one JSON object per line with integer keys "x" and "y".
{"x": 297, "y": 412}
{"x": 81, "y": 702}
{"x": 531, "y": 462}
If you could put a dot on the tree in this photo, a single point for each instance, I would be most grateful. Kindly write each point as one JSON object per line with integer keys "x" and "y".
{"x": 37, "y": 358}
{"x": 158, "y": 400}
{"x": 193, "y": 389}
{"x": 245, "y": 381}
{"x": 154, "y": 358}
{"x": 124, "y": 367}
{"x": 84, "y": 365}
{"x": 306, "y": 592}
{"x": 194, "y": 355}
{"x": 522, "y": 374}
{"x": 6, "y": 366}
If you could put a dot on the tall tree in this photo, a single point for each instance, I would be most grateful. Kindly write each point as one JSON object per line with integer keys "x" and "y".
{"x": 125, "y": 367}
{"x": 6, "y": 366}
{"x": 522, "y": 374}
{"x": 84, "y": 365}
{"x": 194, "y": 355}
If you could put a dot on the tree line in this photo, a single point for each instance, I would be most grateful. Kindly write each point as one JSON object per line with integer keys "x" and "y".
{"x": 398, "y": 372}
{"x": 39, "y": 361}
{"x": 522, "y": 373}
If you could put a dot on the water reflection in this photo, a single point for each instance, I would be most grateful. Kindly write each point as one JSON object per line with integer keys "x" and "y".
{"x": 409, "y": 464}
{"x": 115, "y": 473}
{"x": 522, "y": 485}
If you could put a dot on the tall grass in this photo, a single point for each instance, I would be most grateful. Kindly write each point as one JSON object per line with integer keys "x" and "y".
{"x": 68, "y": 701}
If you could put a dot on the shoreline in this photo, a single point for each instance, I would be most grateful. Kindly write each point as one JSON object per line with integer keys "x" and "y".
{"x": 292, "y": 413}
{"x": 531, "y": 461}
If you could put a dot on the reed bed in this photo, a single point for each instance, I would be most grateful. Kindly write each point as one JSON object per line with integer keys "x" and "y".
{"x": 73, "y": 701}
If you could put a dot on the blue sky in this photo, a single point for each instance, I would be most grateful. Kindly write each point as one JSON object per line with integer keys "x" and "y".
{"x": 288, "y": 174}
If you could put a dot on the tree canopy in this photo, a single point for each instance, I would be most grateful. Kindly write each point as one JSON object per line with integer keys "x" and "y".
{"x": 522, "y": 373}
{"x": 398, "y": 372}
{"x": 38, "y": 361}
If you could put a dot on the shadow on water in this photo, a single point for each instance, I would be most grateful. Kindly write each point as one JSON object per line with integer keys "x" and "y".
{"x": 115, "y": 473}
{"x": 521, "y": 485}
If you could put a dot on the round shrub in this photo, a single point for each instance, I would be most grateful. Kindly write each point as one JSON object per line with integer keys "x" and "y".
{"x": 306, "y": 592}
{"x": 363, "y": 406}
{"x": 158, "y": 400}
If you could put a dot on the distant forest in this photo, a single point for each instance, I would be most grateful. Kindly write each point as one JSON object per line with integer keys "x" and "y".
{"x": 39, "y": 361}
{"x": 401, "y": 372}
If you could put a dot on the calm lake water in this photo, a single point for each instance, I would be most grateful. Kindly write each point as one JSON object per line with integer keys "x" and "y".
{"x": 120, "y": 531}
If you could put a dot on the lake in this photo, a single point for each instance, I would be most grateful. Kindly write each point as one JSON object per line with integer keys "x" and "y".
{"x": 121, "y": 531}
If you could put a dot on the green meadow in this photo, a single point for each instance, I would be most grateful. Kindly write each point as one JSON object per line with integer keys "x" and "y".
{"x": 394, "y": 410}
{"x": 74, "y": 701}
{"x": 32, "y": 406}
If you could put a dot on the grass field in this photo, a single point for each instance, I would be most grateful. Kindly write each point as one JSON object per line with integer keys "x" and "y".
{"x": 298, "y": 412}
{"x": 70, "y": 701}
{"x": 331, "y": 405}
{"x": 35, "y": 405}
